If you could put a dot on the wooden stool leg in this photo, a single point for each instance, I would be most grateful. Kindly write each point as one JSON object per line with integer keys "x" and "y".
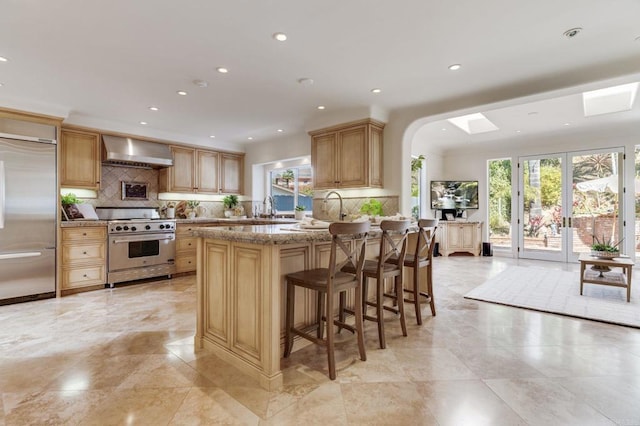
{"x": 380, "y": 311}
{"x": 403, "y": 324}
{"x": 328, "y": 315}
{"x": 416, "y": 294}
{"x": 320, "y": 314}
{"x": 432, "y": 302}
{"x": 288, "y": 341}
{"x": 360, "y": 323}
{"x": 341, "y": 313}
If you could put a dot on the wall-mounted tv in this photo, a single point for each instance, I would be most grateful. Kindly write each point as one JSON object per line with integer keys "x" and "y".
{"x": 454, "y": 194}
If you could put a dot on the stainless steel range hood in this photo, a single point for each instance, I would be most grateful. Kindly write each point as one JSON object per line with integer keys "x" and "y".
{"x": 127, "y": 152}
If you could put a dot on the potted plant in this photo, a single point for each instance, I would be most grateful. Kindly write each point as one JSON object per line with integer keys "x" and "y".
{"x": 170, "y": 210}
{"x": 230, "y": 202}
{"x": 69, "y": 208}
{"x": 299, "y": 212}
{"x": 605, "y": 249}
{"x": 192, "y": 205}
{"x": 372, "y": 207}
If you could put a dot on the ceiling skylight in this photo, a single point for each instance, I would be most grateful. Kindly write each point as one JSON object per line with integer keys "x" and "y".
{"x": 473, "y": 123}
{"x": 608, "y": 100}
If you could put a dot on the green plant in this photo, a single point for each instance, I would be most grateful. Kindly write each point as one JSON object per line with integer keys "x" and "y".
{"x": 171, "y": 204}
{"x": 69, "y": 198}
{"x": 372, "y": 207}
{"x": 230, "y": 201}
{"x": 288, "y": 175}
{"x": 605, "y": 245}
{"x": 300, "y": 208}
{"x": 192, "y": 204}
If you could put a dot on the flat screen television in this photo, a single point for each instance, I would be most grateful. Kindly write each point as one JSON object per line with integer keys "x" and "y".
{"x": 454, "y": 194}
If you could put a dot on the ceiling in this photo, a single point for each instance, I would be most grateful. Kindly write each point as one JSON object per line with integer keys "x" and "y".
{"x": 103, "y": 64}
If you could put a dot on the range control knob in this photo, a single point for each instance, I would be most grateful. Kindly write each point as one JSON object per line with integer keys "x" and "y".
{"x": 161, "y": 226}
{"x": 147, "y": 227}
{"x": 133, "y": 228}
{"x": 118, "y": 228}
{"x": 126, "y": 228}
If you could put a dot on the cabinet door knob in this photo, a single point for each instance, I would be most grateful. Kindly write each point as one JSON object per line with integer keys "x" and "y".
{"x": 85, "y": 276}
{"x": 84, "y": 234}
{"x": 84, "y": 252}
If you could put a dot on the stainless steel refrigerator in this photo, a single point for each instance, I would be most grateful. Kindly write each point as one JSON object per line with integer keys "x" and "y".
{"x": 28, "y": 209}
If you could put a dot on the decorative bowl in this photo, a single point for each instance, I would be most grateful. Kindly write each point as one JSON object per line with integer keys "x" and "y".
{"x": 605, "y": 254}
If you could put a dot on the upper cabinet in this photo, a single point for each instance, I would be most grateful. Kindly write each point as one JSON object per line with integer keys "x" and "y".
{"x": 203, "y": 172}
{"x": 348, "y": 155}
{"x": 80, "y": 159}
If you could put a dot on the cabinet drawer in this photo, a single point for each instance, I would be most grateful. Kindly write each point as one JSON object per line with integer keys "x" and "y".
{"x": 84, "y": 233}
{"x": 185, "y": 264}
{"x": 81, "y": 277}
{"x": 78, "y": 253}
{"x": 186, "y": 244}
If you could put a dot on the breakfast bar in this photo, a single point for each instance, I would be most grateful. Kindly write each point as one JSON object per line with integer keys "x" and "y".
{"x": 240, "y": 291}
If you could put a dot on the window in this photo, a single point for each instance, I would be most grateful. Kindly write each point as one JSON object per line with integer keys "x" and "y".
{"x": 500, "y": 202}
{"x": 418, "y": 178}
{"x": 291, "y": 187}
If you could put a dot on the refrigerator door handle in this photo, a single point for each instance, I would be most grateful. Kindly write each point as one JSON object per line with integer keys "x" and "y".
{"x": 20, "y": 255}
{"x": 2, "y": 180}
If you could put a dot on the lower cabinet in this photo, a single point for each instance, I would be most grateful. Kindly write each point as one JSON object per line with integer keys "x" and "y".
{"x": 185, "y": 249}
{"x": 84, "y": 257}
{"x": 459, "y": 237}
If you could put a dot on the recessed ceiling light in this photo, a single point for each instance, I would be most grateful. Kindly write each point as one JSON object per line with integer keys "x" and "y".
{"x": 143, "y": 123}
{"x": 321, "y": 107}
{"x": 280, "y": 36}
{"x": 572, "y": 32}
{"x": 376, "y": 90}
{"x": 444, "y": 129}
{"x": 1, "y": 84}
{"x": 305, "y": 81}
{"x": 3, "y": 59}
{"x": 181, "y": 93}
{"x": 250, "y": 138}
{"x": 222, "y": 70}
{"x": 212, "y": 136}
{"x": 567, "y": 124}
{"x": 518, "y": 131}
{"x": 200, "y": 83}
{"x": 473, "y": 123}
{"x": 152, "y": 108}
{"x": 455, "y": 67}
{"x": 280, "y": 130}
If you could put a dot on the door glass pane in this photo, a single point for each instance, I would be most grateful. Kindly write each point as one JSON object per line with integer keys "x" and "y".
{"x": 500, "y": 203}
{"x": 305, "y": 188}
{"x": 596, "y": 200}
{"x": 542, "y": 204}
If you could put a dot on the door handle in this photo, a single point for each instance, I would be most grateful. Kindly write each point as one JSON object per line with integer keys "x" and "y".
{"x": 569, "y": 222}
{"x": 20, "y": 255}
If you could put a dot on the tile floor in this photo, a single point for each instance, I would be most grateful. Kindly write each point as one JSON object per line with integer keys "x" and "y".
{"x": 126, "y": 357}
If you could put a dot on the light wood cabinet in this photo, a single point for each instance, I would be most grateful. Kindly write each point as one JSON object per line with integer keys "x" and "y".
{"x": 203, "y": 171}
{"x": 348, "y": 156}
{"x": 459, "y": 237}
{"x": 84, "y": 257}
{"x": 185, "y": 249}
{"x": 80, "y": 159}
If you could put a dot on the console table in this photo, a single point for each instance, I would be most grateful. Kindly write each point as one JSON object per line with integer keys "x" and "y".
{"x": 616, "y": 279}
{"x": 459, "y": 236}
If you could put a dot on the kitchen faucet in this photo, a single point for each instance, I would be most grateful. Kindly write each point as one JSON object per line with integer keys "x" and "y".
{"x": 341, "y": 214}
{"x": 272, "y": 205}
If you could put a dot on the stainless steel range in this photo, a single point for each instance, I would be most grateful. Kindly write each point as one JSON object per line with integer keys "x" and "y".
{"x": 141, "y": 245}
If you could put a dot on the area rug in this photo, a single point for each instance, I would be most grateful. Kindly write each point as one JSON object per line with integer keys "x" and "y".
{"x": 558, "y": 292}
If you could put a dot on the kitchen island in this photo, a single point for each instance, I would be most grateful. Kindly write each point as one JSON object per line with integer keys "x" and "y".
{"x": 240, "y": 291}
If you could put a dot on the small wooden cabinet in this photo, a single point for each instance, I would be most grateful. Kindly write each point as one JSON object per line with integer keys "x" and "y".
{"x": 459, "y": 237}
{"x": 203, "y": 172}
{"x": 84, "y": 257}
{"x": 80, "y": 159}
{"x": 185, "y": 249}
{"x": 348, "y": 155}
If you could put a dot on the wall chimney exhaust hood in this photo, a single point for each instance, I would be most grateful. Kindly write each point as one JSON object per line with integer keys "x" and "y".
{"x": 127, "y": 152}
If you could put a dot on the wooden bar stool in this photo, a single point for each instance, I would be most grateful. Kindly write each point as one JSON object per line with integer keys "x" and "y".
{"x": 422, "y": 257}
{"x": 392, "y": 243}
{"x": 348, "y": 239}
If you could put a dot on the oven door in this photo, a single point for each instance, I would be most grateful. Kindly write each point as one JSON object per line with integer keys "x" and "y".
{"x": 136, "y": 251}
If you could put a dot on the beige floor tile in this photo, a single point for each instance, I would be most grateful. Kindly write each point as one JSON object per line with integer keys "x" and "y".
{"x": 543, "y": 402}
{"x": 466, "y": 402}
{"x": 432, "y": 364}
{"x": 494, "y": 363}
{"x": 164, "y": 371}
{"x": 323, "y": 406}
{"x": 385, "y": 404}
{"x": 210, "y": 406}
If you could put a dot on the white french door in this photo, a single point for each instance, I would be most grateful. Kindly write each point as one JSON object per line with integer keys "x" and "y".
{"x": 565, "y": 200}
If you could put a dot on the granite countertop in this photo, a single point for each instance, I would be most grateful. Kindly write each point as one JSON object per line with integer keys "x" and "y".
{"x": 269, "y": 234}
{"x": 82, "y": 223}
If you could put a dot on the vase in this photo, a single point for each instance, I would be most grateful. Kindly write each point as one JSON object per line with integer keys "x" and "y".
{"x": 171, "y": 212}
{"x": 299, "y": 214}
